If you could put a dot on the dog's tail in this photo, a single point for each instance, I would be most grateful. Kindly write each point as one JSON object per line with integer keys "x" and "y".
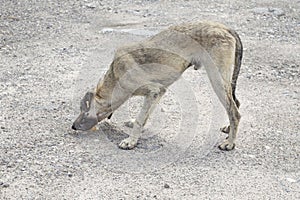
{"x": 237, "y": 63}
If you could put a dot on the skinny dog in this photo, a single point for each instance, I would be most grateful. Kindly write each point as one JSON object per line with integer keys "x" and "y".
{"x": 149, "y": 67}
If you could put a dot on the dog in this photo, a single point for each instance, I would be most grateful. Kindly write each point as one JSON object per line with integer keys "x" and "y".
{"x": 147, "y": 69}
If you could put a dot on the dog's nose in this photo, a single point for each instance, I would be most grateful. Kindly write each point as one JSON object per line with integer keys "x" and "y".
{"x": 73, "y": 127}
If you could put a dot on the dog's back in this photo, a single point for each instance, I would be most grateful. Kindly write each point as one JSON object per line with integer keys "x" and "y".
{"x": 179, "y": 46}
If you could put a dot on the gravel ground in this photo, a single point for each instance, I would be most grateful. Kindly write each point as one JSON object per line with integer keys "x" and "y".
{"x": 52, "y": 52}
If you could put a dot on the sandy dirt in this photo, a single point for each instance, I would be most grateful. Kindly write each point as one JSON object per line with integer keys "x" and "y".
{"x": 52, "y": 52}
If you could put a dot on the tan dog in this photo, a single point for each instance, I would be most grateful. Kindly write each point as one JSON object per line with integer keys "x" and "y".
{"x": 149, "y": 67}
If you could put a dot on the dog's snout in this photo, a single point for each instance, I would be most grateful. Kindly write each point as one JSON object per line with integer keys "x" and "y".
{"x": 73, "y": 127}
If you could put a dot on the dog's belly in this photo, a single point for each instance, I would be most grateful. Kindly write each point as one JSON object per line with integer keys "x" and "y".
{"x": 139, "y": 79}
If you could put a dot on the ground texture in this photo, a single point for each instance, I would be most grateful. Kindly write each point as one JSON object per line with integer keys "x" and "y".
{"x": 52, "y": 52}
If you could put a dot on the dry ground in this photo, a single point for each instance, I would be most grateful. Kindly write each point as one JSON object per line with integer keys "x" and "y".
{"x": 51, "y": 52}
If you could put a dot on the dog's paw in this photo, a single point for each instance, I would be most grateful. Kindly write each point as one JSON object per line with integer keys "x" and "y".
{"x": 226, "y": 146}
{"x": 129, "y": 123}
{"x": 225, "y": 129}
{"x": 128, "y": 143}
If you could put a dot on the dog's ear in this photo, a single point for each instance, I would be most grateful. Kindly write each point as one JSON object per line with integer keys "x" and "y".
{"x": 85, "y": 103}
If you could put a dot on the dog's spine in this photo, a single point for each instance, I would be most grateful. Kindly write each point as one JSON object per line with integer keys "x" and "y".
{"x": 237, "y": 63}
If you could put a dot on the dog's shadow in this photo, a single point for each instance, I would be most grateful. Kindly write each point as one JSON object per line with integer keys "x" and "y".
{"x": 116, "y": 134}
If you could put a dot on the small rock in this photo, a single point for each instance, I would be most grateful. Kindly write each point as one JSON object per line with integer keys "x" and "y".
{"x": 166, "y": 186}
{"x": 267, "y": 147}
{"x": 9, "y": 165}
{"x": 107, "y": 30}
{"x": 91, "y": 5}
{"x": 291, "y": 180}
{"x": 5, "y": 185}
{"x": 277, "y": 11}
{"x": 250, "y": 156}
{"x": 2, "y": 127}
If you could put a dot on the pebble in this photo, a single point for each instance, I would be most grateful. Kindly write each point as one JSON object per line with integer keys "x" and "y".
{"x": 166, "y": 186}
{"x": 91, "y": 5}
{"x": 249, "y": 155}
{"x": 277, "y": 11}
{"x": 5, "y": 185}
{"x": 106, "y": 30}
{"x": 267, "y": 147}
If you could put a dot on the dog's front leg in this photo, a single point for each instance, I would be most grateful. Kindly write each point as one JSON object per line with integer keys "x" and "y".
{"x": 131, "y": 141}
{"x": 150, "y": 102}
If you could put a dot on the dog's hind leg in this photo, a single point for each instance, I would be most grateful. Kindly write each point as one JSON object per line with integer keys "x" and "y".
{"x": 220, "y": 73}
{"x": 234, "y": 118}
{"x": 225, "y": 96}
{"x": 237, "y": 65}
{"x": 226, "y": 129}
{"x": 150, "y": 101}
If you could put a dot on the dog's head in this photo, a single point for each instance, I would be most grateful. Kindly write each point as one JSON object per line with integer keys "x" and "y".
{"x": 92, "y": 111}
